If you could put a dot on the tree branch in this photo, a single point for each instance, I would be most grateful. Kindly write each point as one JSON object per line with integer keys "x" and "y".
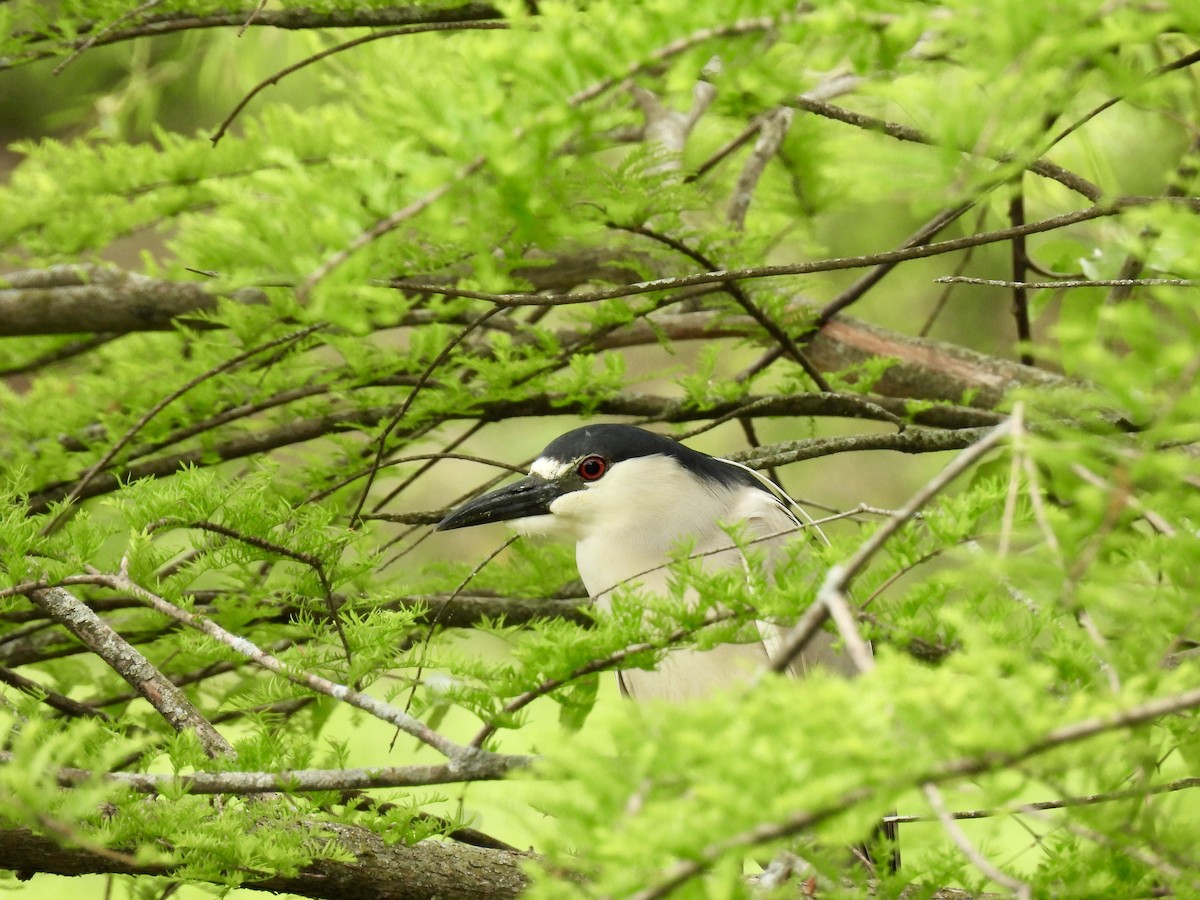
{"x": 382, "y": 869}
{"x": 685, "y": 870}
{"x": 1041, "y": 167}
{"x": 294, "y": 781}
{"x": 463, "y": 759}
{"x": 73, "y": 299}
{"x": 94, "y": 633}
{"x": 290, "y": 19}
{"x": 832, "y": 598}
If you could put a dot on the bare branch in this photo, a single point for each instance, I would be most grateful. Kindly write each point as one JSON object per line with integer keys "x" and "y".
{"x": 1068, "y": 284}
{"x": 1020, "y": 264}
{"x": 465, "y": 758}
{"x": 771, "y": 132}
{"x": 53, "y": 699}
{"x": 292, "y": 781}
{"x": 1042, "y": 167}
{"x": 743, "y": 299}
{"x": 166, "y": 401}
{"x": 597, "y": 665}
{"x": 1019, "y": 888}
{"x": 646, "y": 407}
{"x": 682, "y": 45}
{"x": 384, "y": 225}
{"x": 99, "y": 34}
{"x": 395, "y": 420}
{"x": 1181, "y": 784}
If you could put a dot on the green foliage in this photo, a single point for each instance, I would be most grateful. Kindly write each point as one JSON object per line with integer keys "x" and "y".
{"x": 271, "y": 466}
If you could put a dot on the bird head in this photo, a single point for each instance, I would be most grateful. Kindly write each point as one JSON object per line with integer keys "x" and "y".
{"x": 622, "y": 482}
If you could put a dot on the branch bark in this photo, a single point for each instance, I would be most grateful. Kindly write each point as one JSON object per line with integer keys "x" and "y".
{"x": 291, "y": 781}
{"x": 94, "y": 633}
{"x": 380, "y": 870}
{"x": 73, "y": 299}
{"x": 42, "y": 46}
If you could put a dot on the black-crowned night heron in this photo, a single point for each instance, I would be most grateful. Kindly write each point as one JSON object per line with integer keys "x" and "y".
{"x": 630, "y": 499}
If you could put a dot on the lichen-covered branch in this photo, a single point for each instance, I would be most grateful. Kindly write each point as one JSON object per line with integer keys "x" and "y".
{"x": 99, "y": 637}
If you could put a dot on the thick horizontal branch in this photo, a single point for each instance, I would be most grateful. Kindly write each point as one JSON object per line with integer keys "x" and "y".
{"x": 304, "y": 430}
{"x": 94, "y": 34}
{"x": 923, "y": 369}
{"x": 74, "y": 299}
{"x": 394, "y": 870}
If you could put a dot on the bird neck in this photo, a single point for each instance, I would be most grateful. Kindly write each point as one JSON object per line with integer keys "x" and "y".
{"x": 617, "y": 560}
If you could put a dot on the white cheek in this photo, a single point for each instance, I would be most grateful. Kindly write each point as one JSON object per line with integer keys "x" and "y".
{"x": 573, "y": 505}
{"x": 536, "y": 526}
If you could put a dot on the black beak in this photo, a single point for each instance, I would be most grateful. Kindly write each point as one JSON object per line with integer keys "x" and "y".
{"x": 530, "y": 496}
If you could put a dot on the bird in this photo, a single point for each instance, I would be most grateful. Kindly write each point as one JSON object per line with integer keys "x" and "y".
{"x": 630, "y": 499}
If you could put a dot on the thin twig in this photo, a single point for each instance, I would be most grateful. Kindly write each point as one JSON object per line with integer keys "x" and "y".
{"x": 383, "y": 226}
{"x": 1019, "y": 888}
{"x": 53, "y": 699}
{"x": 433, "y": 621}
{"x": 743, "y": 300}
{"x": 345, "y": 45}
{"x": 1181, "y": 784}
{"x": 385, "y": 711}
{"x": 832, "y": 597}
{"x": 682, "y": 45}
{"x": 959, "y": 268}
{"x": 162, "y": 404}
{"x": 308, "y": 559}
{"x": 297, "y": 781}
{"x": 1041, "y": 167}
{"x": 395, "y": 420}
{"x": 1182, "y": 63}
{"x": 597, "y": 665}
{"x": 1069, "y": 284}
{"x": 516, "y": 299}
{"x": 102, "y": 32}
{"x": 250, "y": 18}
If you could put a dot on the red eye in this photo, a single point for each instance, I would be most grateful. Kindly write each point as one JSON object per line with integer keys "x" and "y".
{"x": 592, "y": 468}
